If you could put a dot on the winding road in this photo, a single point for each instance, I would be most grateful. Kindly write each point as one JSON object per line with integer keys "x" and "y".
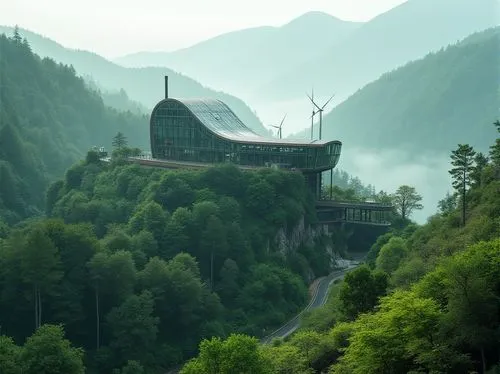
{"x": 319, "y": 297}
{"x": 320, "y": 290}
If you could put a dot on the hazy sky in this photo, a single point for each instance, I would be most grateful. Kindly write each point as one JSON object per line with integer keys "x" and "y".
{"x": 115, "y": 27}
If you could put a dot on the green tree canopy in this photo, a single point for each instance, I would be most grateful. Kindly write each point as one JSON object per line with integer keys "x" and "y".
{"x": 391, "y": 254}
{"x": 406, "y": 200}
{"x": 48, "y": 352}
{"x": 360, "y": 290}
{"x": 237, "y": 354}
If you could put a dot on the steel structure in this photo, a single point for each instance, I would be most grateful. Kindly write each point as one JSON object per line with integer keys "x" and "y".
{"x": 207, "y": 131}
{"x": 197, "y": 133}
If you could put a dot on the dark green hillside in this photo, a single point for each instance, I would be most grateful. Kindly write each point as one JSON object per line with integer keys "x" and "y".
{"x": 144, "y": 85}
{"x": 427, "y": 301}
{"x": 164, "y": 258}
{"x": 48, "y": 119}
{"x": 448, "y": 97}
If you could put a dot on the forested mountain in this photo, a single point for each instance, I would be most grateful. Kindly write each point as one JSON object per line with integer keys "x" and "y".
{"x": 432, "y": 104}
{"x": 426, "y": 301}
{"x": 242, "y": 60}
{"x": 118, "y": 100}
{"x": 148, "y": 261}
{"x": 144, "y": 85}
{"x": 404, "y": 33}
{"x": 49, "y": 119}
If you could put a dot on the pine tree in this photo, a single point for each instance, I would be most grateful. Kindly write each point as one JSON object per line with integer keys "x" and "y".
{"x": 17, "y": 36}
{"x": 119, "y": 141}
{"x": 495, "y": 148}
{"x": 462, "y": 160}
{"x": 481, "y": 161}
{"x": 26, "y": 44}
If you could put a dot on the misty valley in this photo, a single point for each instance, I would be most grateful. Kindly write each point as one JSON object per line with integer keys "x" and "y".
{"x": 317, "y": 196}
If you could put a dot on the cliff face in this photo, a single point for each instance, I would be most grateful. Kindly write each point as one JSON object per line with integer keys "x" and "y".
{"x": 289, "y": 241}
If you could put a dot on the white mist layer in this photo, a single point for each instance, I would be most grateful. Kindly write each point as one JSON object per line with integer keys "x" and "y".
{"x": 389, "y": 169}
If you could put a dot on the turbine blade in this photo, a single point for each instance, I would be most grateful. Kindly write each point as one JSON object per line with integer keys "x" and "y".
{"x": 283, "y": 120}
{"x": 330, "y": 99}
{"x": 316, "y": 105}
{"x": 312, "y": 101}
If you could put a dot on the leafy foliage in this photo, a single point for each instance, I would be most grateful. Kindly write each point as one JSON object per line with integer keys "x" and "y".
{"x": 47, "y": 352}
{"x": 406, "y": 200}
{"x": 360, "y": 291}
{"x": 48, "y": 120}
{"x": 441, "y": 313}
{"x": 236, "y": 354}
{"x": 141, "y": 264}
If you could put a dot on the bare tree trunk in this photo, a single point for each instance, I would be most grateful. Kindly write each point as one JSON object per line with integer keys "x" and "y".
{"x": 39, "y": 308}
{"x": 463, "y": 199}
{"x": 35, "y": 296}
{"x": 212, "y": 270}
{"x": 483, "y": 359}
{"x": 97, "y": 317}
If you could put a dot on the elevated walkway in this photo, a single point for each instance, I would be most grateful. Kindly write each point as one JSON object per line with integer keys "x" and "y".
{"x": 364, "y": 213}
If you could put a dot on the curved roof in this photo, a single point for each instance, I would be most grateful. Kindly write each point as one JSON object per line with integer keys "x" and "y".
{"x": 221, "y": 120}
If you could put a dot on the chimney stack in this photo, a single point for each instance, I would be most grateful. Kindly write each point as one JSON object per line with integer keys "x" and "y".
{"x": 166, "y": 86}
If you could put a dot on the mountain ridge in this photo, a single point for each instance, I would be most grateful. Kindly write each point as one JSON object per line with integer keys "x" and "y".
{"x": 387, "y": 41}
{"x": 144, "y": 85}
{"x": 292, "y": 23}
{"x": 239, "y": 60}
{"x": 466, "y": 99}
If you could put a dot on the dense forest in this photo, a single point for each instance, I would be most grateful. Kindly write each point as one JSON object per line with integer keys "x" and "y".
{"x": 114, "y": 256}
{"x": 49, "y": 118}
{"x": 163, "y": 258}
{"x": 426, "y": 301}
{"x": 144, "y": 85}
{"x": 107, "y": 267}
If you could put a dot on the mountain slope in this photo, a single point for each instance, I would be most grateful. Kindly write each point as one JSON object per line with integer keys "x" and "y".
{"x": 432, "y": 104}
{"x": 144, "y": 85}
{"x": 48, "y": 120}
{"x": 240, "y": 60}
{"x": 402, "y": 34}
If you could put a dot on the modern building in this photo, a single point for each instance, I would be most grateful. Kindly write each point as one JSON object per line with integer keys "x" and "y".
{"x": 207, "y": 131}
{"x": 196, "y": 133}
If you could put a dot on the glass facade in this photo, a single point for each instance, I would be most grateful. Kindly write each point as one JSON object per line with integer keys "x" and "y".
{"x": 207, "y": 131}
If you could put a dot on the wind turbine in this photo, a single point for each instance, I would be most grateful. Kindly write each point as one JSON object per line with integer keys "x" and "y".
{"x": 313, "y": 113}
{"x": 279, "y": 127}
{"x": 320, "y": 110}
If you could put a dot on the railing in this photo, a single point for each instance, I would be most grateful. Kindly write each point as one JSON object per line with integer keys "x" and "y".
{"x": 353, "y": 204}
{"x": 367, "y": 213}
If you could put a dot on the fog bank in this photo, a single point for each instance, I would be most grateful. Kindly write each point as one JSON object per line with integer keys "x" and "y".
{"x": 389, "y": 169}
